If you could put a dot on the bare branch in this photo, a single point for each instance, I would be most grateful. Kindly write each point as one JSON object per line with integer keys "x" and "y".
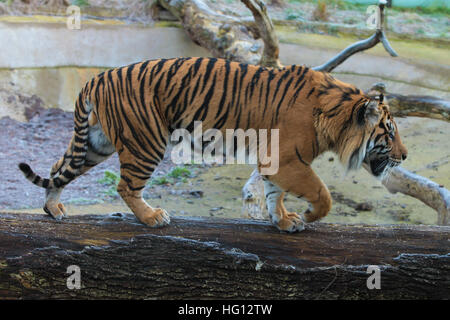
{"x": 419, "y": 106}
{"x": 348, "y": 52}
{"x": 377, "y": 37}
{"x": 427, "y": 191}
{"x": 270, "y": 56}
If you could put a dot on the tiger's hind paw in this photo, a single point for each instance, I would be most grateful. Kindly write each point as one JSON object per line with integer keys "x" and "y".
{"x": 56, "y": 211}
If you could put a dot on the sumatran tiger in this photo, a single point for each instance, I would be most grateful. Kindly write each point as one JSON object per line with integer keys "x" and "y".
{"x": 132, "y": 110}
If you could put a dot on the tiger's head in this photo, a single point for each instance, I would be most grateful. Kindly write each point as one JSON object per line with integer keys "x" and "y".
{"x": 384, "y": 148}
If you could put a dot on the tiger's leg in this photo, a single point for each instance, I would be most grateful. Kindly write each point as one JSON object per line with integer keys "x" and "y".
{"x": 301, "y": 181}
{"x": 99, "y": 149}
{"x": 133, "y": 178}
{"x": 279, "y": 216}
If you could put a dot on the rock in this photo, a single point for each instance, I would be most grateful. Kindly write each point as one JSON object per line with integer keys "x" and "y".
{"x": 196, "y": 193}
{"x": 364, "y": 206}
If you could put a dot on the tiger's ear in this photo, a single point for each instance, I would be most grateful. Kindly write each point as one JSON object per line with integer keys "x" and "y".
{"x": 369, "y": 112}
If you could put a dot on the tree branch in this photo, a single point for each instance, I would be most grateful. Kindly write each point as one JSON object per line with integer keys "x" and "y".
{"x": 417, "y": 106}
{"x": 270, "y": 54}
{"x": 427, "y": 191}
{"x": 377, "y": 37}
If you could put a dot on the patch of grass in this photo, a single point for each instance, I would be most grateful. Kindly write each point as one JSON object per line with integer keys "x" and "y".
{"x": 110, "y": 178}
{"x": 80, "y": 3}
{"x": 180, "y": 172}
{"x": 339, "y": 4}
{"x": 161, "y": 181}
{"x": 177, "y": 174}
{"x": 291, "y": 14}
{"x": 333, "y": 30}
{"x": 111, "y": 192}
{"x": 420, "y": 31}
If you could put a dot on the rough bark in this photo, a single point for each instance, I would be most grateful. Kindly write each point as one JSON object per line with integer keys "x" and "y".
{"x": 224, "y": 35}
{"x": 198, "y": 258}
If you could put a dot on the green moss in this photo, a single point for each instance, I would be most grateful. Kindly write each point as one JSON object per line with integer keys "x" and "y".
{"x": 167, "y": 24}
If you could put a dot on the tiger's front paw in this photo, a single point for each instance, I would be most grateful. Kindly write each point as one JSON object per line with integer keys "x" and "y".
{"x": 291, "y": 222}
{"x": 55, "y": 210}
{"x": 156, "y": 218}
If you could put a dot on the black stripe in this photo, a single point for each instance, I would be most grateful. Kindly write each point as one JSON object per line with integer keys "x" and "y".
{"x": 207, "y": 73}
{"x": 300, "y": 157}
{"x": 310, "y": 92}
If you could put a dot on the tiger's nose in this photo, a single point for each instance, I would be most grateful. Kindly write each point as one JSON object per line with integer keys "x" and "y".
{"x": 404, "y": 156}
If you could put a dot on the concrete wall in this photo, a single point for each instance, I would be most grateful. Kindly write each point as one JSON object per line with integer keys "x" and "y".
{"x": 53, "y": 45}
{"x": 53, "y": 62}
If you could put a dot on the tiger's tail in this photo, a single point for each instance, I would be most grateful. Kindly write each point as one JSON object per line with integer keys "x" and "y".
{"x": 79, "y": 150}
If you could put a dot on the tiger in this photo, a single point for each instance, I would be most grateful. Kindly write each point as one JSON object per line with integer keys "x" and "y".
{"x": 133, "y": 110}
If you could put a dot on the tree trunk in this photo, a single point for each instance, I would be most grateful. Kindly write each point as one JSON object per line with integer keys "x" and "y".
{"x": 199, "y": 258}
{"x": 226, "y": 36}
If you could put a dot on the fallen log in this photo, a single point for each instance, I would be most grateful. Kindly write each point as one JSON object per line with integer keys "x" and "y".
{"x": 204, "y": 258}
